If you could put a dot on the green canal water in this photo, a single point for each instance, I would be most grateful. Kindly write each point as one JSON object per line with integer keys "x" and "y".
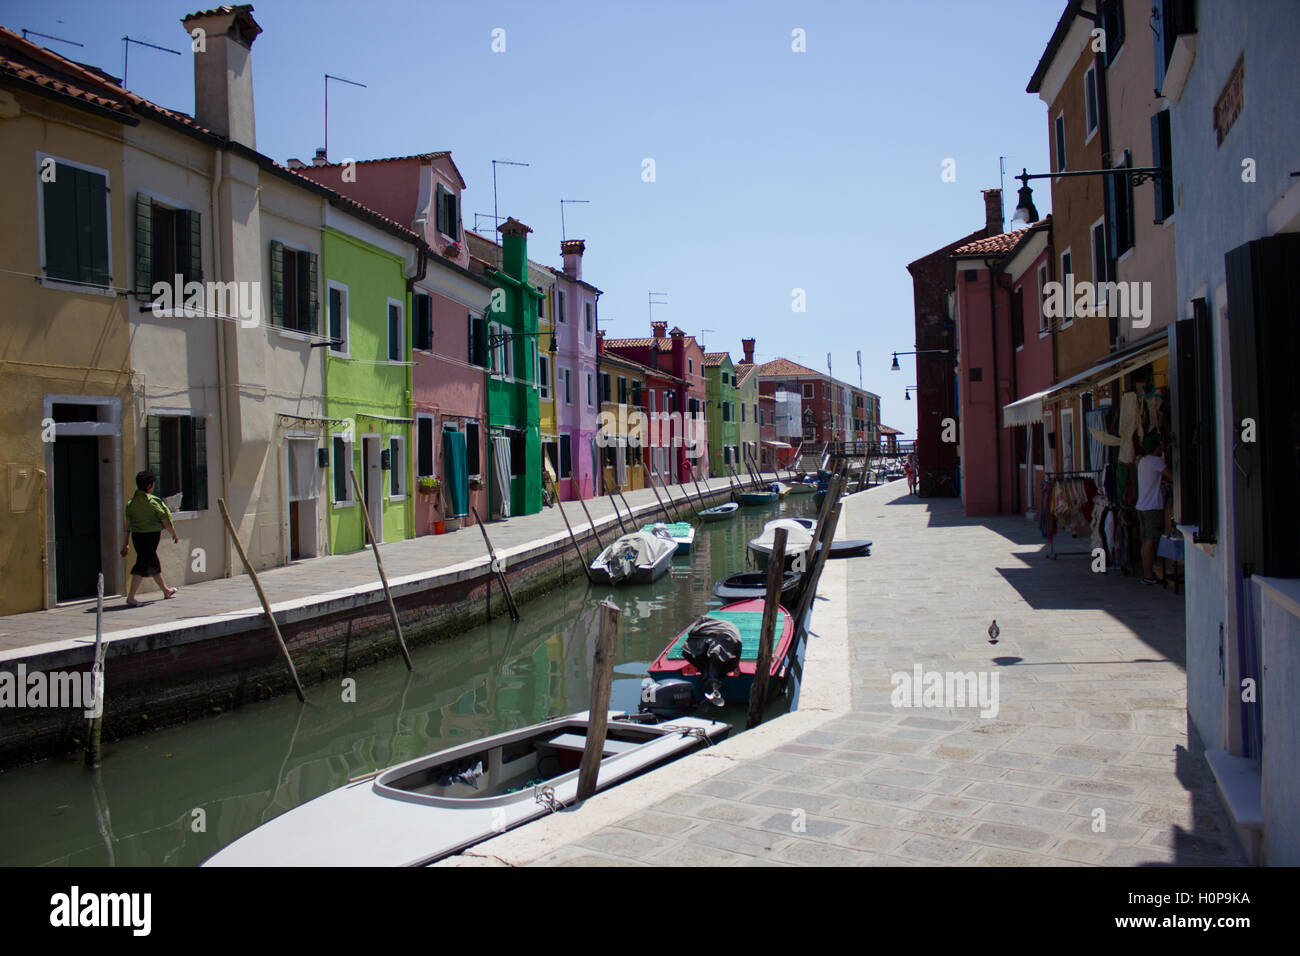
{"x": 176, "y": 796}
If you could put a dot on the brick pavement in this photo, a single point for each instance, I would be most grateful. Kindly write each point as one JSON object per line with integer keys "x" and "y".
{"x": 1091, "y": 728}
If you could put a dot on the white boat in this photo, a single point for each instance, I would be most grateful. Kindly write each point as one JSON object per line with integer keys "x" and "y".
{"x": 420, "y": 811}
{"x": 798, "y": 541}
{"x": 636, "y": 558}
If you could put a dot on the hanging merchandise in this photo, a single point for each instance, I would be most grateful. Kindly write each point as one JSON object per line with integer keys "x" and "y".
{"x": 1129, "y": 426}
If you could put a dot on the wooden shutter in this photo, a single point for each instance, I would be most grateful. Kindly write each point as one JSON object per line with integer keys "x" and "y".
{"x": 198, "y": 464}
{"x": 307, "y": 304}
{"x": 153, "y": 445}
{"x": 277, "y": 283}
{"x": 192, "y": 261}
{"x": 92, "y": 221}
{"x": 423, "y": 321}
{"x": 452, "y": 202}
{"x": 440, "y": 209}
{"x": 143, "y": 245}
{"x": 1160, "y": 156}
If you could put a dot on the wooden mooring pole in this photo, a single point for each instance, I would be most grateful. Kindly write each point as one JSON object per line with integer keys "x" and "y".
{"x": 600, "y": 544}
{"x": 771, "y": 605}
{"x": 96, "y": 681}
{"x": 379, "y": 563}
{"x": 261, "y": 596}
{"x": 572, "y": 537}
{"x": 496, "y": 566}
{"x": 662, "y": 507}
{"x": 602, "y": 678}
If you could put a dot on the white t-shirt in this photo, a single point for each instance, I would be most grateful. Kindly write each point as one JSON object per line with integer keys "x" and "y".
{"x": 1150, "y": 495}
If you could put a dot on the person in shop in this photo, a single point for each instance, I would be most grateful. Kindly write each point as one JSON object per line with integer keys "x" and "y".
{"x": 1152, "y": 471}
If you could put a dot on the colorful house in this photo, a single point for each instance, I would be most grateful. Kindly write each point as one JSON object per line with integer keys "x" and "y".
{"x": 623, "y": 424}
{"x": 723, "y": 415}
{"x": 576, "y": 330}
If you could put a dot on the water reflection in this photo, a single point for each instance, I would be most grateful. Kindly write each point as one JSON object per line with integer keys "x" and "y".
{"x": 178, "y": 795}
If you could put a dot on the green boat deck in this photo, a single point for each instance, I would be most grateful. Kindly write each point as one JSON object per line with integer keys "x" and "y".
{"x": 748, "y": 622}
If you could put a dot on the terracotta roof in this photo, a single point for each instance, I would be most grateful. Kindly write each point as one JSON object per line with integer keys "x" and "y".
{"x": 36, "y": 77}
{"x": 422, "y": 157}
{"x": 1002, "y": 244}
{"x": 784, "y": 367}
{"x": 215, "y": 11}
{"x": 745, "y": 369}
{"x": 638, "y": 366}
{"x": 715, "y": 359}
{"x": 886, "y": 430}
{"x": 665, "y": 345}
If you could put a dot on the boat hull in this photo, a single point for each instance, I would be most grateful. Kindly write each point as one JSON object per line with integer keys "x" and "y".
{"x": 752, "y": 499}
{"x": 719, "y": 513}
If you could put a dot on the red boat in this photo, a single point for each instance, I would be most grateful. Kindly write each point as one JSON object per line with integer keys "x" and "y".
{"x": 748, "y": 618}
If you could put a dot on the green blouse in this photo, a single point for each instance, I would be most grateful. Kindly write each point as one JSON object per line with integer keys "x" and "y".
{"x": 146, "y": 512}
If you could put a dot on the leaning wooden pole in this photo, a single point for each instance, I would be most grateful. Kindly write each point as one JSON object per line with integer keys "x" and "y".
{"x": 96, "y": 681}
{"x": 771, "y": 607}
{"x": 662, "y": 507}
{"x": 261, "y": 596}
{"x": 592, "y": 524}
{"x": 614, "y": 501}
{"x": 379, "y": 563}
{"x": 703, "y": 500}
{"x": 602, "y": 679}
{"x": 572, "y": 537}
{"x": 496, "y": 566}
{"x": 826, "y": 535}
{"x": 668, "y": 494}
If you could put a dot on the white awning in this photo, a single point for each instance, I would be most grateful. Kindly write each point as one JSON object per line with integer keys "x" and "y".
{"x": 1024, "y": 411}
{"x": 1027, "y": 410}
{"x": 775, "y": 444}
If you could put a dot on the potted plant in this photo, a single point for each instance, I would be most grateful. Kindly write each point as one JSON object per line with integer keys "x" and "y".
{"x": 430, "y": 486}
{"x": 476, "y": 484}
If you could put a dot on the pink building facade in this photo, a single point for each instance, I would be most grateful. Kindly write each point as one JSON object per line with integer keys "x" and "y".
{"x": 577, "y": 406}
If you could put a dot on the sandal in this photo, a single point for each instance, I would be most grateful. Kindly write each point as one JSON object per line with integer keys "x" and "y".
{"x": 132, "y": 602}
{"x": 168, "y": 595}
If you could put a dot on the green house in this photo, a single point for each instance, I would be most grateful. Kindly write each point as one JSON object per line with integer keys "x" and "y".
{"x": 749, "y": 428}
{"x": 722, "y": 414}
{"x": 367, "y": 381}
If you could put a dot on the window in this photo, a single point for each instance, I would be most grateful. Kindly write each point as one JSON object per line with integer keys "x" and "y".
{"x": 544, "y": 376}
{"x": 1100, "y": 272}
{"x": 742, "y": 412}
{"x": 167, "y": 244}
{"x": 590, "y": 323}
{"x": 1067, "y": 268}
{"x": 472, "y": 449}
{"x": 1067, "y": 439}
{"x": 497, "y": 351}
{"x": 448, "y": 213}
{"x": 1112, "y": 21}
{"x": 541, "y": 308}
{"x": 1161, "y": 155}
{"x": 177, "y": 452}
{"x": 293, "y": 288}
{"x": 590, "y": 391}
{"x": 652, "y": 402}
{"x": 726, "y": 411}
{"x": 1119, "y": 209}
{"x": 808, "y": 390}
{"x": 395, "y": 330}
{"x": 342, "y": 462}
{"x": 396, "y": 467}
{"x": 566, "y": 384}
{"x": 478, "y": 340}
{"x": 424, "y": 447}
{"x": 1017, "y": 318}
{"x": 690, "y": 365}
{"x": 74, "y": 219}
{"x": 604, "y": 387}
{"x": 635, "y": 394}
{"x": 622, "y": 390}
{"x": 337, "y": 303}
{"x": 1090, "y": 101}
{"x": 518, "y": 456}
{"x": 561, "y": 313}
{"x": 1060, "y": 142}
{"x": 755, "y": 418}
{"x": 422, "y": 322}
{"x": 1195, "y": 452}
{"x": 566, "y": 456}
{"x": 1042, "y": 291}
{"x": 1169, "y": 18}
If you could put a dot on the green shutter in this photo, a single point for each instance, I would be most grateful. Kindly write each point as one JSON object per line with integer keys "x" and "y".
{"x": 277, "y": 283}
{"x": 307, "y": 292}
{"x": 453, "y": 216}
{"x": 153, "y": 444}
{"x": 199, "y": 467}
{"x": 92, "y": 219}
{"x": 61, "y": 225}
{"x": 193, "y": 263}
{"x": 143, "y": 245}
{"x": 440, "y": 210}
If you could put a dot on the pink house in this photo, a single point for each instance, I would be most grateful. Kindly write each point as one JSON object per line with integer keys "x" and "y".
{"x": 1002, "y": 357}
{"x": 447, "y": 327}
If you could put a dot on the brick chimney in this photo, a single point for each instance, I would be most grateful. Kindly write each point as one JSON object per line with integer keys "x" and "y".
{"x": 223, "y": 71}
{"x": 679, "y": 352}
{"x": 320, "y": 159}
{"x": 992, "y": 212}
{"x": 659, "y": 329}
{"x": 600, "y": 341}
{"x": 748, "y": 346}
{"x": 514, "y": 247}
{"x": 571, "y": 250}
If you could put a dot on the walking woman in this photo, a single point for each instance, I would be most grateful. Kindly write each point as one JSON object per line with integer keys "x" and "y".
{"x": 146, "y": 517}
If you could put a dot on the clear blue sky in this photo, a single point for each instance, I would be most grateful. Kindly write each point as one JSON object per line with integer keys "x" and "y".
{"x": 775, "y": 170}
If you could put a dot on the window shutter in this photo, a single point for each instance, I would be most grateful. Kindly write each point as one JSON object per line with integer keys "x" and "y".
{"x": 1160, "y": 156}
{"x": 153, "y": 444}
{"x": 423, "y": 321}
{"x": 307, "y": 291}
{"x": 1158, "y": 26}
{"x": 143, "y": 245}
{"x": 193, "y": 261}
{"x": 93, "y": 221}
{"x": 199, "y": 458}
{"x": 440, "y": 210}
{"x": 453, "y": 216}
{"x": 277, "y": 283}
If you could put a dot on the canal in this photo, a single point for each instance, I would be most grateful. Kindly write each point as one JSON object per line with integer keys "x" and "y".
{"x": 176, "y": 796}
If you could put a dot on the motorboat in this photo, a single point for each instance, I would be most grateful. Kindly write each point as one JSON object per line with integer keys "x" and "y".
{"x": 798, "y": 542}
{"x": 757, "y": 498}
{"x": 425, "y": 809}
{"x": 749, "y": 585}
{"x": 683, "y": 532}
{"x": 719, "y": 652}
{"x": 719, "y": 512}
{"x": 637, "y": 558}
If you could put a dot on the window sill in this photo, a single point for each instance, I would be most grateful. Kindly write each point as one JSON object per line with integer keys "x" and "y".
{"x": 339, "y": 355}
{"x": 294, "y": 334}
{"x": 185, "y": 515}
{"x": 393, "y": 498}
{"x": 66, "y": 285}
{"x": 344, "y": 504}
{"x": 1091, "y": 136}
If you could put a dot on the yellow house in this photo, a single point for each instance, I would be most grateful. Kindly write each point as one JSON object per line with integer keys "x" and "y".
{"x": 623, "y": 431}
{"x": 65, "y": 372}
{"x": 544, "y": 372}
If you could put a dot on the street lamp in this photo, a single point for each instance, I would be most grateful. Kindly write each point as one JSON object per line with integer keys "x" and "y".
{"x": 907, "y": 393}
{"x": 501, "y": 338}
{"x": 1027, "y": 213}
{"x": 895, "y": 368}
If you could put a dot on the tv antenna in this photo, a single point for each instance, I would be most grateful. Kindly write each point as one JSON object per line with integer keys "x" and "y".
{"x": 126, "y": 50}
{"x": 563, "y": 235}
{"x": 49, "y": 36}
{"x": 650, "y": 298}
{"x": 495, "y": 217}
{"x": 340, "y": 79}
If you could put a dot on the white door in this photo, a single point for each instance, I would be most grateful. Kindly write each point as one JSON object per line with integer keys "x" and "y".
{"x": 374, "y": 483}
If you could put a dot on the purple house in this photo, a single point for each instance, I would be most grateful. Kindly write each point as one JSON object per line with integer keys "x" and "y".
{"x": 577, "y": 404}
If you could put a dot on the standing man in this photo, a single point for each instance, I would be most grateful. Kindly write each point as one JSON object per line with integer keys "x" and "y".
{"x": 1152, "y": 470}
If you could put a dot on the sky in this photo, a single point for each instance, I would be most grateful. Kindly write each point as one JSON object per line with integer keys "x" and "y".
{"x": 773, "y": 170}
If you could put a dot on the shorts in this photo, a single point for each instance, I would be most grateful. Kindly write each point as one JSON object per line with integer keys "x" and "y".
{"x": 1152, "y": 524}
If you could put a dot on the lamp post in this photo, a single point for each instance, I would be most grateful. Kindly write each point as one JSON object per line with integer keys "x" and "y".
{"x": 894, "y": 367}
{"x": 907, "y": 393}
{"x": 1027, "y": 212}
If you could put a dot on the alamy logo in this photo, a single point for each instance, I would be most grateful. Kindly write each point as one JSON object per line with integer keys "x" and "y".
{"x": 235, "y": 300}
{"x": 638, "y": 429}
{"x": 1082, "y": 300}
{"x": 75, "y": 908}
{"x": 50, "y": 689}
{"x": 945, "y": 689}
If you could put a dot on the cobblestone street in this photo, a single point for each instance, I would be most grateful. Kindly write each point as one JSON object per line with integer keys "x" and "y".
{"x": 1089, "y": 759}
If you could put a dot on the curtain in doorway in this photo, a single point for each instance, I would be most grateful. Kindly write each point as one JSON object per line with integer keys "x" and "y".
{"x": 596, "y": 470}
{"x": 620, "y": 464}
{"x": 303, "y": 470}
{"x": 455, "y": 473}
{"x": 501, "y": 470}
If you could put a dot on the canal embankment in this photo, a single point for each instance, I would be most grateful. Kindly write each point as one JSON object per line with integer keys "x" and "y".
{"x": 211, "y": 649}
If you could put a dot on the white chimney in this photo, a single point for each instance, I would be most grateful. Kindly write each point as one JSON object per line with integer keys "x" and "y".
{"x": 223, "y": 70}
{"x": 571, "y": 251}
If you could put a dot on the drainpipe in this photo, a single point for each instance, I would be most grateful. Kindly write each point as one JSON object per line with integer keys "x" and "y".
{"x": 993, "y": 325}
{"x": 223, "y": 416}
{"x": 422, "y": 268}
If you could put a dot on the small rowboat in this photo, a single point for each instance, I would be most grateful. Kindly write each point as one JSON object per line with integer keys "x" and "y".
{"x": 841, "y": 548}
{"x": 637, "y": 558}
{"x": 799, "y": 540}
{"x": 780, "y": 487}
{"x": 719, "y": 512}
{"x": 683, "y": 532}
{"x": 757, "y": 498}
{"x": 802, "y": 487}
{"x": 748, "y": 618}
{"x": 425, "y": 809}
{"x": 749, "y": 585}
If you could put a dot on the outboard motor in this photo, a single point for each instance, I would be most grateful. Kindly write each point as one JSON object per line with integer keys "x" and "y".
{"x": 713, "y": 648}
{"x": 666, "y": 699}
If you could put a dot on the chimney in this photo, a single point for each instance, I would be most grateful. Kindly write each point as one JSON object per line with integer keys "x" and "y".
{"x": 659, "y": 329}
{"x": 992, "y": 212}
{"x": 679, "y": 352}
{"x": 571, "y": 250}
{"x": 600, "y": 341}
{"x": 293, "y": 162}
{"x": 320, "y": 159}
{"x": 748, "y": 346}
{"x": 514, "y": 248}
{"x": 223, "y": 70}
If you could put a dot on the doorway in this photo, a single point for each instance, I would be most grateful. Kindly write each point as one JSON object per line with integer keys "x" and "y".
{"x": 303, "y": 471}
{"x": 373, "y": 484}
{"x": 77, "y": 540}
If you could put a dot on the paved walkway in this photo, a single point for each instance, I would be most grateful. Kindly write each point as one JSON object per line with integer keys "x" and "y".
{"x": 1090, "y": 758}
{"x": 305, "y": 582}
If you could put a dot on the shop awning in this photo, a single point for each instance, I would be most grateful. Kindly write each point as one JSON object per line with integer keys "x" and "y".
{"x": 1024, "y": 411}
{"x": 776, "y": 444}
{"x": 1027, "y": 410}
